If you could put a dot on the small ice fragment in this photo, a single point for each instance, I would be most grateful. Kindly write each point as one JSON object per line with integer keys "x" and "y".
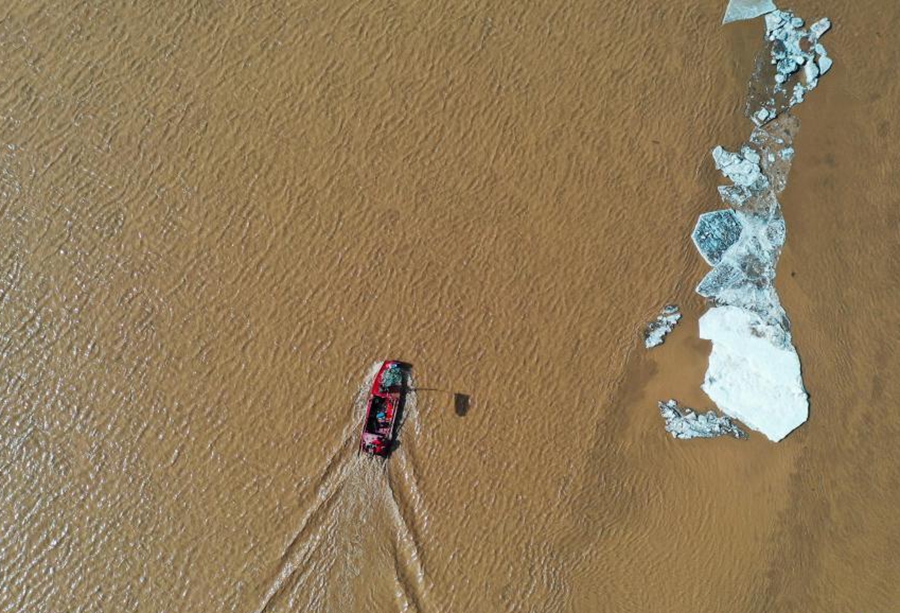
{"x": 819, "y": 28}
{"x": 723, "y": 277}
{"x": 742, "y": 168}
{"x": 787, "y": 153}
{"x": 656, "y": 331}
{"x": 682, "y": 422}
{"x": 773, "y": 20}
{"x": 797, "y": 22}
{"x": 789, "y": 66}
{"x": 824, "y": 64}
{"x": 811, "y": 72}
{"x": 750, "y": 155}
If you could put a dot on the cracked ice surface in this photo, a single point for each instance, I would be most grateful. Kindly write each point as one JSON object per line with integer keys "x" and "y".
{"x": 754, "y": 371}
{"x": 682, "y": 422}
{"x": 715, "y": 233}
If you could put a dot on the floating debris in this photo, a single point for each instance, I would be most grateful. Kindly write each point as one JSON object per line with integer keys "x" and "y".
{"x": 683, "y": 422}
{"x": 656, "y": 331}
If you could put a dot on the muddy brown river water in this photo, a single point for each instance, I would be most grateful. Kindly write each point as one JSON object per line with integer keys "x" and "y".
{"x": 216, "y": 217}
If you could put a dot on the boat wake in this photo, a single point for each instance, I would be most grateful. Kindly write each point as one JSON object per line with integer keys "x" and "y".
{"x": 407, "y": 509}
{"x": 361, "y": 519}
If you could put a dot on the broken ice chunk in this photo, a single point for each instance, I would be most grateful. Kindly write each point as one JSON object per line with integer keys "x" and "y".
{"x": 747, "y": 9}
{"x": 744, "y": 171}
{"x": 775, "y": 232}
{"x": 656, "y": 331}
{"x": 742, "y": 168}
{"x": 723, "y": 277}
{"x": 684, "y": 423}
{"x": 811, "y": 73}
{"x": 773, "y": 20}
{"x": 715, "y": 232}
{"x": 824, "y": 64}
{"x": 735, "y": 195}
{"x": 819, "y": 28}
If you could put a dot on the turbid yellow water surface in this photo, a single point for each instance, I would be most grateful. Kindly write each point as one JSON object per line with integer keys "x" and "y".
{"x": 217, "y": 217}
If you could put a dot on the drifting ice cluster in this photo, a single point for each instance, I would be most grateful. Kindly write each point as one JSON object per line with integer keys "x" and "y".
{"x": 656, "y": 331}
{"x": 790, "y": 68}
{"x": 754, "y": 371}
{"x": 682, "y": 422}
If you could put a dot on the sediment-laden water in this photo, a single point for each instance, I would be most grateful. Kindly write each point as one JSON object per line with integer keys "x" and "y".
{"x": 215, "y": 217}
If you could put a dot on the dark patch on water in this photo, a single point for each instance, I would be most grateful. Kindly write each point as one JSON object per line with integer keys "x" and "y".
{"x": 461, "y": 403}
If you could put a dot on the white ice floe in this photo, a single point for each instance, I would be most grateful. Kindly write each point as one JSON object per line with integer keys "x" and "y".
{"x": 747, "y": 9}
{"x": 753, "y": 374}
{"x": 656, "y": 331}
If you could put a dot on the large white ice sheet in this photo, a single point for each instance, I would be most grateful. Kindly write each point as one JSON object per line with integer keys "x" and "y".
{"x": 753, "y": 375}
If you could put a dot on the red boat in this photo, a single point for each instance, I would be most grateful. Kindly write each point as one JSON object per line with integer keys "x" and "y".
{"x": 384, "y": 409}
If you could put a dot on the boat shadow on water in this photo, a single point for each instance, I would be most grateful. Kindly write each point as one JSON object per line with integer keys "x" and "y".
{"x": 461, "y": 403}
